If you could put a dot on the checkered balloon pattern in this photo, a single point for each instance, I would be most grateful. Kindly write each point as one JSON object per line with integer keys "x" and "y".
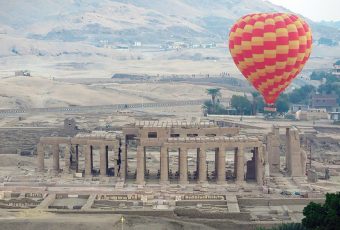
{"x": 270, "y": 50}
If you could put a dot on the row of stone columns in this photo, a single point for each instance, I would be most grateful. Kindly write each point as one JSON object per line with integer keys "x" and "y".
{"x": 220, "y": 165}
{"x": 88, "y": 152}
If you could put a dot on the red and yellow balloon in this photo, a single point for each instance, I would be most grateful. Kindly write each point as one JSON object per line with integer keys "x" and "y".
{"x": 270, "y": 49}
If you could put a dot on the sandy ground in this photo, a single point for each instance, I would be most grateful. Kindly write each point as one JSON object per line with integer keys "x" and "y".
{"x": 21, "y": 92}
{"x": 44, "y": 92}
{"x": 170, "y": 91}
{"x": 31, "y": 220}
{"x": 144, "y": 60}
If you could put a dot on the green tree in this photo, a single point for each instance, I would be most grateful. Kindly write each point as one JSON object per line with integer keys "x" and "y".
{"x": 301, "y": 95}
{"x": 209, "y": 108}
{"x": 242, "y": 105}
{"x": 327, "y": 42}
{"x": 323, "y": 217}
{"x": 258, "y": 103}
{"x": 319, "y": 75}
{"x": 331, "y": 88}
{"x": 214, "y": 93}
{"x": 282, "y": 104}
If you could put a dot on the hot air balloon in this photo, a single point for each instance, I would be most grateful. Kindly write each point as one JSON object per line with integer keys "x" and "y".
{"x": 270, "y": 49}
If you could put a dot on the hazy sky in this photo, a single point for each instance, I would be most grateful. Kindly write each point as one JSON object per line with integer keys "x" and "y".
{"x": 316, "y": 10}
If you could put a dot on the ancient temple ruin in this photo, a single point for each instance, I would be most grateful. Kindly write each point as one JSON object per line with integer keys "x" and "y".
{"x": 251, "y": 154}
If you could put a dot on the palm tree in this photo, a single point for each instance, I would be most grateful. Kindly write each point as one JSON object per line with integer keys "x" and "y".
{"x": 214, "y": 93}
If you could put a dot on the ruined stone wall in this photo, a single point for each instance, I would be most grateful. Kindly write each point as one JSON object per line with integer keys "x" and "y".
{"x": 277, "y": 202}
{"x": 196, "y": 213}
{"x": 194, "y": 203}
{"x": 13, "y": 140}
{"x": 20, "y": 139}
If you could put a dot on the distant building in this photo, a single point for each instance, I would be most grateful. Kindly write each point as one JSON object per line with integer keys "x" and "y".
{"x": 311, "y": 115}
{"x": 336, "y": 69}
{"x": 137, "y": 44}
{"x": 322, "y": 101}
{"x": 335, "y": 114}
{"x": 22, "y": 73}
{"x": 297, "y": 107}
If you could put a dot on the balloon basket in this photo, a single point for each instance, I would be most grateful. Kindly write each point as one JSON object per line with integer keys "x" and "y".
{"x": 270, "y": 109}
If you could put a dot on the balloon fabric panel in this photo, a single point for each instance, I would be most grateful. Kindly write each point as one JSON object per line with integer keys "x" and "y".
{"x": 270, "y": 50}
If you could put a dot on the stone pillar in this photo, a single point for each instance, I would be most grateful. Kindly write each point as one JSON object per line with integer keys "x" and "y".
{"x": 202, "y": 174}
{"x": 145, "y": 169}
{"x": 273, "y": 148}
{"x": 41, "y": 157}
{"x": 183, "y": 166}
{"x": 288, "y": 151}
{"x": 140, "y": 165}
{"x": 77, "y": 158}
{"x": 103, "y": 160}
{"x": 164, "y": 165}
{"x": 197, "y": 161}
{"x": 217, "y": 150}
{"x": 88, "y": 160}
{"x": 240, "y": 164}
{"x": 123, "y": 164}
{"x": 55, "y": 156}
{"x": 295, "y": 161}
{"x": 235, "y": 163}
{"x": 107, "y": 159}
{"x": 259, "y": 164}
{"x": 116, "y": 166}
{"x": 221, "y": 166}
{"x": 67, "y": 158}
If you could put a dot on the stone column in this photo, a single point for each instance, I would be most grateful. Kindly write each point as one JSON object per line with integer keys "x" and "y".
{"x": 217, "y": 150}
{"x": 273, "y": 148}
{"x": 88, "y": 160}
{"x": 145, "y": 169}
{"x": 221, "y": 166}
{"x": 67, "y": 158}
{"x": 103, "y": 160}
{"x": 240, "y": 164}
{"x": 123, "y": 165}
{"x": 55, "y": 156}
{"x": 107, "y": 159}
{"x": 202, "y": 174}
{"x": 183, "y": 166}
{"x": 77, "y": 158}
{"x": 140, "y": 165}
{"x": 116, "y": 157}
{"x": 91, "y": 151}
{"x": 41, "y": 157}
{"x": 296, "y": 162}
{"x": 259, "y": 164}
{"x": 164, "y": 165}
{"x": 235, "y": 163}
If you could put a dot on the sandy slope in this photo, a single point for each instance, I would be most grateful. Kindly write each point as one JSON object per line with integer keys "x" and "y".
{"x": 42, "y": 92}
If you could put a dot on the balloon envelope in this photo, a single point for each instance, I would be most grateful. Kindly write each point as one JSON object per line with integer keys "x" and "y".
{"x": 270, "y": 49}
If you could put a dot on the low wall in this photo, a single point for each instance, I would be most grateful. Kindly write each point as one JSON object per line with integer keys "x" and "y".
{"x": 152, "y": 213}
{"x": 112, "y": 203}
{"x": 194, "y": 203}
{"x": 277, "y": 201}
{"x": 196, "y": 213}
